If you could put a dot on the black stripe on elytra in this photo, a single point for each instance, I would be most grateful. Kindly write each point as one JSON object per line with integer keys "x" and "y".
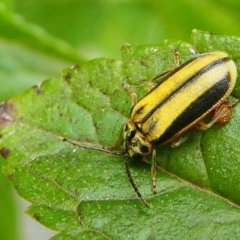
{"x": 178, "y": 68}
{"x": 196, "y": 109}
{"x": 189, "y": 81}
{"x": 167, "y": 77}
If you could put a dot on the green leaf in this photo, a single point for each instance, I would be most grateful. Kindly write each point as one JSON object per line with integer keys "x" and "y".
{"x": 7, "y": 209}
{"x": 21, "y": 68}
{"x": 85, "y": 194}
{"x": 14, "y": 27}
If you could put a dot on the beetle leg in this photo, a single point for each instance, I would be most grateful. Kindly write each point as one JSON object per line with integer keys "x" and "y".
{"x": 179, "y": 141}
{"x": 226, "y": 111}
{"x": 154, "y": 171}
{"x": 151, "y": 85}
{"x": 119, "y": 141}
{"x": 220, "y": 115}
{"x": 176, "y": 58}
{"x": 132, "y": 94}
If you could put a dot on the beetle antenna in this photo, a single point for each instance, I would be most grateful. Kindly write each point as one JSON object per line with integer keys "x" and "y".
{"x": 90, "y": 146}
{"x": 134, "y": 184}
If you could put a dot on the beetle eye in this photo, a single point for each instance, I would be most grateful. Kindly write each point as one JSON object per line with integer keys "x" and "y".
{"x": 144, "y": 149}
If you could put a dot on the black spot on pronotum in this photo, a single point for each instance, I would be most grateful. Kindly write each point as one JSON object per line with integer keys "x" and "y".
{"x": 4, "y": 152}
{"x": 152, "y": 127}
{"x": 6, "y": 112}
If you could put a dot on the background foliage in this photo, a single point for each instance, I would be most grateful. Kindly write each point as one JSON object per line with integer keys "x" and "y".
{"x": 39, "y": 38}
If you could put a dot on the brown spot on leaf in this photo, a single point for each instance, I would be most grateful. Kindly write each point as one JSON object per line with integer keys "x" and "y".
{"x": 144, "y": 64}
{"x": 38, "y": 88}
{"x": 68, "y": 76}
{"x": 75, "y": 67}
{"x": 6, "y": 112}
{"x": 37, "y": 216}
{"x": 11, "y": 176}
{"x": 4, "y": 152}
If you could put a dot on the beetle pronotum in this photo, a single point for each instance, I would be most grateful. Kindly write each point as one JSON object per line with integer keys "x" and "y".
{"x": 171, "y": 109}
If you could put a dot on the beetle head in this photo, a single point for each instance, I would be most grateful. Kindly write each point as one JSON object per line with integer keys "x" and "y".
{"x": 134, "y": 141}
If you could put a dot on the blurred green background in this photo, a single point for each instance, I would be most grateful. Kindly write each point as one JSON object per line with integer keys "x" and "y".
{"x": 39, "y": 38}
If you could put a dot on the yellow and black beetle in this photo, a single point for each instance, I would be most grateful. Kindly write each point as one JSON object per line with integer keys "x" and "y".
{"x": 179, "y": 103}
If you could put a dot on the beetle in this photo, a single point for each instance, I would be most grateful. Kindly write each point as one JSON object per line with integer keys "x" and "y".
{"x": 174, "y": 107}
